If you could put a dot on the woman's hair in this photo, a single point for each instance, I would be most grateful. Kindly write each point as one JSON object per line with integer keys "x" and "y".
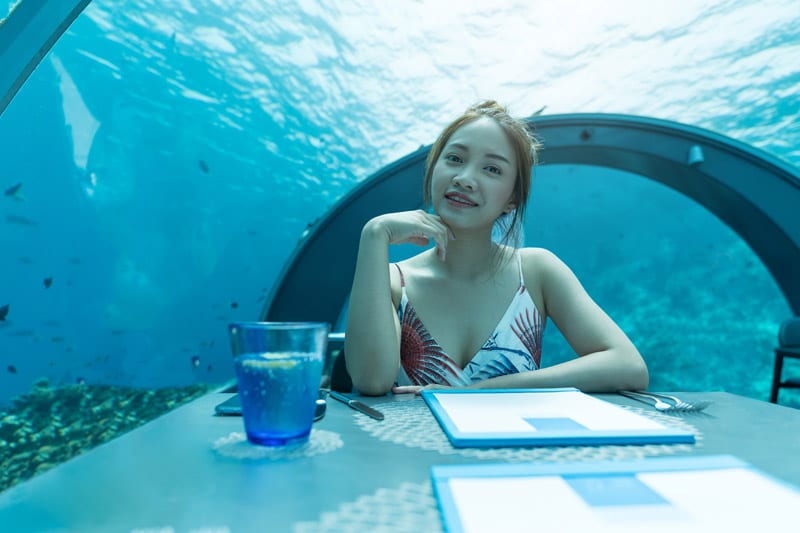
{"x": 525, "y": 147}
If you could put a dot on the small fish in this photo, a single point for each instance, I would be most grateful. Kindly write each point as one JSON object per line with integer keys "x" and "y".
{"x": 12, "y": 369}
{"x": 14, "y": 189}
{"x": 4, "y": 312}
{"x": 234, "y": 305}
{"x": 22, "y": 221}
{"x": 203, "y": 166}
{"x": 48, "y": 282}
{"x": 195, "y": 361}
{"x": 25, "y": 260}
{"x": 80, "y": 381}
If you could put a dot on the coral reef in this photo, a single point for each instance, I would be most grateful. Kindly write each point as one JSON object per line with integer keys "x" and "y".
{"x": 48, "y": 426}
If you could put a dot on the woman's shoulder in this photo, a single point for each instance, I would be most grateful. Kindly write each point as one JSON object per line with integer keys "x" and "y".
{"x": 538, "y": 264}
{"x": 544, "y": 266}
{"x": 536, "y": 259}
{"x": 399, "y": 271}
{"x": 414, "y": 265}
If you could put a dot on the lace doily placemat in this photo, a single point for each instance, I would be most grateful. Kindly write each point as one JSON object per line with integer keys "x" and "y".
{"x": 412, "y": 507}
{"x": 411, "y": 423}
{"x": 236, "y": 446}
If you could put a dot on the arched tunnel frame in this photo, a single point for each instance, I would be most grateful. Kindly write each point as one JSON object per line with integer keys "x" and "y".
{"x": 754, "y": 193}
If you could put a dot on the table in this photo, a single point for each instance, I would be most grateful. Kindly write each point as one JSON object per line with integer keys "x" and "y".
{"x": 181, "y": 472}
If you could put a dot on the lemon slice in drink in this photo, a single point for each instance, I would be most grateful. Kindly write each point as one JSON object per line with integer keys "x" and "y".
{"x": 270, "y": 363}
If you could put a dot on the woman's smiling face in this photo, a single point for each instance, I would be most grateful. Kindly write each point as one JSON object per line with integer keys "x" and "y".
{"x": 473, "y": 179}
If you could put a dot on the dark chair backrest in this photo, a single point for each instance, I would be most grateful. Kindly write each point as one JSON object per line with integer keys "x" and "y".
{"x": 340, "y": 378}
{"x": 789, "y": 333}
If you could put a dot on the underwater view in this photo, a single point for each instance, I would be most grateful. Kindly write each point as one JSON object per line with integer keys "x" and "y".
{"x": 164, "y": 159}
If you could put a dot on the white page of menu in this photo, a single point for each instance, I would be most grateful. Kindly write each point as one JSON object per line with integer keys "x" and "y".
{"x": 510, "y": 412}
{"x": 731, "y": 499}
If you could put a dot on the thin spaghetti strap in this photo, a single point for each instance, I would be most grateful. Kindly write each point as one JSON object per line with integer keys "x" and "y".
{"x": 402, "y": 279}
{"x": 519, "y": 264}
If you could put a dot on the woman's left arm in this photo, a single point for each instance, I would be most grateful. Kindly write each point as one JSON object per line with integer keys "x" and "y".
{"x": 608, "y": 361}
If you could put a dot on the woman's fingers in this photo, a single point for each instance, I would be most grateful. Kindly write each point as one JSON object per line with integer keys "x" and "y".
{"x": 437, "y": 386}
{"x": 418, "y": 227}
{"x": 416, "y": 389}
{"x": 421, "y": 241}
{"x": 406, "y": 389}
{"x": 439, "y": 232}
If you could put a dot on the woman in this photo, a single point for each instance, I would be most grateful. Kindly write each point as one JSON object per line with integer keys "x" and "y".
{"x": 470, "y": 312}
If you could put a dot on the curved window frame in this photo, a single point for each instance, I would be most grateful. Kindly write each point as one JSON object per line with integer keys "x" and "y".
{"x": 751, "y": 191}
{"x": 26, "y": 36}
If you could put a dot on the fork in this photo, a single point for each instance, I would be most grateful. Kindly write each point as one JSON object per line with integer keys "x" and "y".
{"x": 680, "y": 404}
{"x": 657, "y": 400}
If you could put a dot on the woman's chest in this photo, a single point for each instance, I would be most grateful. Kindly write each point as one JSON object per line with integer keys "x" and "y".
{"x": 461, "y": 320}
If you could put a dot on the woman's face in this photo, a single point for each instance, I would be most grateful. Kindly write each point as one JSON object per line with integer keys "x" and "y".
{"x": 473, "y": 179}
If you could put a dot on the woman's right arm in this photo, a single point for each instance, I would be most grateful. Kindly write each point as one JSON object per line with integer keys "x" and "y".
{"x": 372, "y": 339}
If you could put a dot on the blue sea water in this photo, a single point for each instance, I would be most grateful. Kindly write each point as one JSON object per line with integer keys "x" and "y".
{"x": 172, "y": 153}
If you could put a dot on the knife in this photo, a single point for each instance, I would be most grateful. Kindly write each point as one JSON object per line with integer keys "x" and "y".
{"x": 358, "y": 406}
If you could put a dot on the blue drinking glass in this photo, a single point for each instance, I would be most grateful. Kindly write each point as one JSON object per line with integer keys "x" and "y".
{"x": 278, "y": 371}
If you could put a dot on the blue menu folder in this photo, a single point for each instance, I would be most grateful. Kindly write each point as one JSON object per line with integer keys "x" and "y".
{"x": 542, "y": 417}
{"x": 686, "y": 494}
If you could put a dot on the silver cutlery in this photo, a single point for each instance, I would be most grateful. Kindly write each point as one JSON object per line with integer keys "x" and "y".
{"x": 665, "y": 403}
{"x": 358, "y": 406}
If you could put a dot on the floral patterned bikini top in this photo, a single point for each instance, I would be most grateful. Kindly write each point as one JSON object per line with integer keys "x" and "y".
{"x": 515, "y": 345}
